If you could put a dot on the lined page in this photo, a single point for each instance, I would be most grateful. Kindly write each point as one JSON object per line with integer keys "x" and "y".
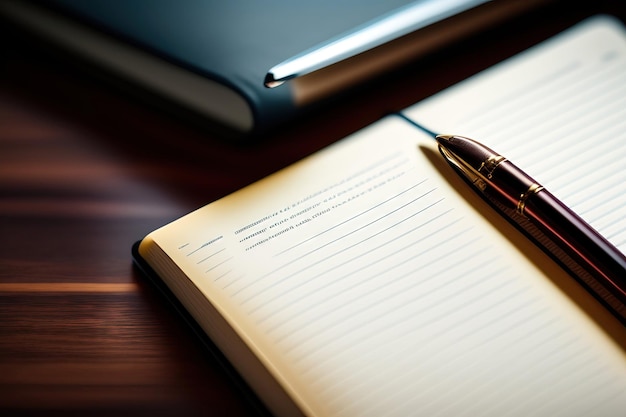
{"x": 557, "y": 111}
{"x": 368, "y": 286}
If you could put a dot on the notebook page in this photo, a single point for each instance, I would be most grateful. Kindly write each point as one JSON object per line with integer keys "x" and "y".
{"x": 557, "y": 111}
{"x": 370, "y": 287}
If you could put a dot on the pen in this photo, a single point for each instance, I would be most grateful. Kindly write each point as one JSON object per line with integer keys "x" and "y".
{"x": 557, "y": 229}
{"x": 398, "y": 23}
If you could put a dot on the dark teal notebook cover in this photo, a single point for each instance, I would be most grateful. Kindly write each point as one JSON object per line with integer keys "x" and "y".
{"x": 232, "y": 42}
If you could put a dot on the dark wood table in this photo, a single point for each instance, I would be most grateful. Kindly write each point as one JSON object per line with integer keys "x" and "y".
{"x": 86, "y": 170}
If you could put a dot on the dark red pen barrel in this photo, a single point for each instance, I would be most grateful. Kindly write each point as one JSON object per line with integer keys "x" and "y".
{"x": 572, "y": 234}
{"x": 510, "y": 183}
{"x": 582, "y": 243}
{"x": 561, "y": 233}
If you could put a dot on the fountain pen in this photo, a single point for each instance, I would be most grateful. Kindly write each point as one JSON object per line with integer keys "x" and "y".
{"x": 560, "y": 232}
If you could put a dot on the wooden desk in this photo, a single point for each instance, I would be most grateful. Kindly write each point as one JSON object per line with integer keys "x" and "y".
{"x": 85, "y": 171}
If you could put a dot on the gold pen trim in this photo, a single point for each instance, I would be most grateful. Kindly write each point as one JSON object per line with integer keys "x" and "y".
{"x": 521, "y": 203}
{"x": 490, "y": 164}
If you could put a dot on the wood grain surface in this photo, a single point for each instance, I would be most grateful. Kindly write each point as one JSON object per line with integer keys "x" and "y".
{"x": 86, "y": 169}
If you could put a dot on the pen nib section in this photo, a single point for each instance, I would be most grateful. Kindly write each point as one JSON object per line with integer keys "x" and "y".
{"x": 448, "y": 146}
{"x": 475, "y": 155}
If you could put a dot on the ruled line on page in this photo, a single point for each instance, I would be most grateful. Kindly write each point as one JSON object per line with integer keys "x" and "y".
{"x": 339, "y": 224}
{"x": 335, "y": 226}
{"x": 350, "y": 260}
{"x": 398, "y": 278}
{"x": 514, "y": 111}
{"x": 302, "y": 327}
{"x": 317, "y": 246}
{"x": 484, "y": 403}
{"x": 375, "y": 170}
{"x": 413, "y": 381}
{"x": 418, "y": 320}
{"x": 366, "y": 225}
{"x": 344, "y": 248}
{"x": 383, "y": 324}
{"x": 448, "y": 368}
{"x": 397, "y": 263}
{"x": 210, "y": 256}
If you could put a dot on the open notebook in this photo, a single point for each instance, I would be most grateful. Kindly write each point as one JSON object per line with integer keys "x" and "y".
{"x": 369, "y": 280}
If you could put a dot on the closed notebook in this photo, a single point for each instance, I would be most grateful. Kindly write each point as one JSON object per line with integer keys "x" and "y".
{"x": 210, "y": 58}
